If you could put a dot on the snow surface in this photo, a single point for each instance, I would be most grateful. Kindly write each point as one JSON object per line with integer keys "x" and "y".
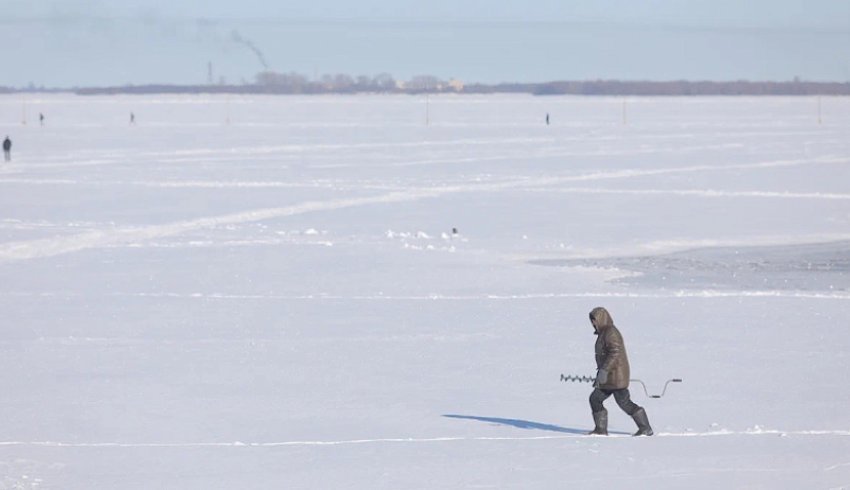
{"x": 267, "y": 292}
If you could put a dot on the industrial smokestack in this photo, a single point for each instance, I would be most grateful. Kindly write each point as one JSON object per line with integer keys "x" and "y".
{"x": 237, "y": 38}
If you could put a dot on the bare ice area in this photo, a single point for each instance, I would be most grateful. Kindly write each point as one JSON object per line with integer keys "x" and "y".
{"x": 326, "y": 292}
{"x": 813, "y": 268}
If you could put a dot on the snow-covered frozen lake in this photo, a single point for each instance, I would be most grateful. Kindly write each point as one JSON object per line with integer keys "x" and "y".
{"x": 267, "y": 292}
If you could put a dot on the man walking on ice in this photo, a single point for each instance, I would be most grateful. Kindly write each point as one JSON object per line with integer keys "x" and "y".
{"x": 612, "y": 376}
{"x": 7, "y": 149}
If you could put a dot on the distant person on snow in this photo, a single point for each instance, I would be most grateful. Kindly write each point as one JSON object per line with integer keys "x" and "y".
{"x": 612, "y": 377}
{"x": 7, "y": 149}
{"x": 547, "y": 118}
{"x": 132, "y": 119}
{"x": 41, "y": 118}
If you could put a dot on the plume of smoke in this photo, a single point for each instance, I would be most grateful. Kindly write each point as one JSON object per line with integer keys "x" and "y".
{"x": 237, "y": 38}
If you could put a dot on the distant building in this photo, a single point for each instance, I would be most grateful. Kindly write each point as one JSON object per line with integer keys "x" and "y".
{"x": 455, "y": 85}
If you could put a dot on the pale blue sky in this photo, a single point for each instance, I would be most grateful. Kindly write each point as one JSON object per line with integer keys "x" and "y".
{"x": 97, "y": 42}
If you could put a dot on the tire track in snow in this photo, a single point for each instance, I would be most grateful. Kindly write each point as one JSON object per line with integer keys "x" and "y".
{"x": 390, "y": 163}
{"x": 414, "y": 440}
{"x": 49, "y": 247}
{"x": 836, "y": 466}
{"x": 224, "y": 155}
{"x": 704, "y": 193}
{"x": 704, "y": 294}
{"x": 211, "y": 184}
{"x": 707, "y": 294}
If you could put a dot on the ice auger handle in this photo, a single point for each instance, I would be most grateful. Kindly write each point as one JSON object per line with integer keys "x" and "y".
{"x": 674, "y": 380}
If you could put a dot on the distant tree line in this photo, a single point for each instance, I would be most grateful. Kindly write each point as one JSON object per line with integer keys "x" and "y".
{"x": 669, "y": 88}
{"x": 269, "y": 82}
{"x": 295, "y": 83}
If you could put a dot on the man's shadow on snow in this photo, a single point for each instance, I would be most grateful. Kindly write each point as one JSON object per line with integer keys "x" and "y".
{"x": 526, "y": 424}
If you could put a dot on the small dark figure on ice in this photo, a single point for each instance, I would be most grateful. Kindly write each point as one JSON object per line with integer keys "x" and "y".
{"x": 547, "y": 118}
{"x": 41, "y": 119}
{"x": 7, "y": 149}
{"x": 612, "y": 377}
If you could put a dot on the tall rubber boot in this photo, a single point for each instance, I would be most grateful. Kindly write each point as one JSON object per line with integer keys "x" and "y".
{"x": 601, "y": 421}
{"x": 642, "y": 422}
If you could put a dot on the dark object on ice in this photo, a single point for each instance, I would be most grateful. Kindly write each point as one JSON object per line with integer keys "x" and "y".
{"x": 547, "y": 118}
{"x": 7, "y": 148}
{"x": 41, "y": 118}
{"x": 132, "y": 118}
{"x": 612, "y": 364}
{"x": 454, "y": 231}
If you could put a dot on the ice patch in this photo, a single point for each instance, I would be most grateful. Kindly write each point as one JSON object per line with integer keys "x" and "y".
{"x": 809, "y": 269}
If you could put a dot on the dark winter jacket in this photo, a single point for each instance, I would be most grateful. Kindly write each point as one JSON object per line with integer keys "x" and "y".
{"x": 610, "y": 351}
{"x": 7, "y": 144}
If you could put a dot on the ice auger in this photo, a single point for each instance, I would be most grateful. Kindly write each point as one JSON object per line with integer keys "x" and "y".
{"x": 591, "y": 379}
